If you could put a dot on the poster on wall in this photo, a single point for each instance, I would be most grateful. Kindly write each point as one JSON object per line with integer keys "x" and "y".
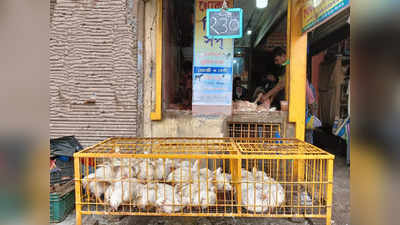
{"x": 212, "y": 66}
{"x": 316, "y": 11}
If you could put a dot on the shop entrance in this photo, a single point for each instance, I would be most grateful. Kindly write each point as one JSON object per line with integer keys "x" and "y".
{"x": 255, "y": 69}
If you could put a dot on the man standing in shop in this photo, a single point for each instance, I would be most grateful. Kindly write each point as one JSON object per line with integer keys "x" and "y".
{"x": 277, "y": 94}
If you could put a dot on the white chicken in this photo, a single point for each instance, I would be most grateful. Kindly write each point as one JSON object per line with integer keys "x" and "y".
{"x": 198, "y": 195}
{"x": 124, "y": 162}
{"x": 146, "y": 195}
{"x": 259, "y": 175}
{"x": 246, "y": 175}
{"x": 204, "y": 198}
{"x": 104, "y": 172}
{"x": 182, "y": 163}
{"x": 254, "y": 175}
{"x": 260, "y": 192}
{"x": 184, "y": 174}
{"x": 122, "y": 172}
{"x": 121, "y": 192}
{"x": 200, "y": 192}
{"x": 95, "y": 186}
{"x": 253, "y": 200}
{"x": 260, "y": 199}
{"x": 145, "y": 170}
{"x": 222, "y": 180}
{"x": 167, "y": 199}
{"x": 98, "y": 182}
{"x": 163, "y": 167}
{"x": 205, "y": 172}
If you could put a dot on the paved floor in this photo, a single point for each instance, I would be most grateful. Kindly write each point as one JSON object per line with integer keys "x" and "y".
{"x": 341, "y": 210}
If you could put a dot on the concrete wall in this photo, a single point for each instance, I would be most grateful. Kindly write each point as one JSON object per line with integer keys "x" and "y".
{"x": 183, "y": 124}
{"x": 93, "y": 69}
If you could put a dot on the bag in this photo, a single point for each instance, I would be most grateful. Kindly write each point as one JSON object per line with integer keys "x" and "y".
{"x": 64, "y": 146}
{"x": 309, "y": 94}
{"x": 312, "y": 122}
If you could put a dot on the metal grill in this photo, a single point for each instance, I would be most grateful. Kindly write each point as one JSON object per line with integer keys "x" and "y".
{"x": 252, "y": 130}
{"x": 249, "y": 177}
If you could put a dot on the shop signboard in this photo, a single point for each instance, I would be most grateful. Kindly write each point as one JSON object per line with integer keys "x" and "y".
{"x": 223, "y": 23}
{"x": 317, "y": 11}
{"x": 212, "y": 65}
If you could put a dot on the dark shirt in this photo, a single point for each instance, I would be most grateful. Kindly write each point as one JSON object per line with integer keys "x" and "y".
{"x": 237, "y": 96}
{"x": 280, "y": 71}
{"x": 280, "y": 96}
{"x": 266, "y": 84}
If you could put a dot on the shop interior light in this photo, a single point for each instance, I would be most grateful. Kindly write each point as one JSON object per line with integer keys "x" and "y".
{"x": 234, "y": 61}
{"x": 316, "y": 3}
{"x": 249, "y": 32}
{"x": 261, "y": 3}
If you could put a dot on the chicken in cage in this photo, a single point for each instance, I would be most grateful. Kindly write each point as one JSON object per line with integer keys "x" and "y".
{"x": 260, "y": 192}
{"x": 156, "y": 184}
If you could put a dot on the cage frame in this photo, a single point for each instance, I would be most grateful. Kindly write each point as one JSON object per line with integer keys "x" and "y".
{"x": 239, "y": 151}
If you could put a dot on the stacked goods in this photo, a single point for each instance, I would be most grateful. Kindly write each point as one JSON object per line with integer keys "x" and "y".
{"x": 61, "y": 159}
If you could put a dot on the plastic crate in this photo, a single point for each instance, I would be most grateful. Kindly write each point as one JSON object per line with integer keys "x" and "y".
{"x": 61, "y": 205}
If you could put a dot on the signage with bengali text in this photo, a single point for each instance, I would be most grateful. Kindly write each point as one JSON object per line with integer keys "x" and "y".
{"x": 316, "y": 11}
{"x": 212, "y": 62}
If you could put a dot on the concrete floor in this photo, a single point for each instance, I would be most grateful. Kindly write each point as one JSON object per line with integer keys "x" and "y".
{"x": 341, "y": 210}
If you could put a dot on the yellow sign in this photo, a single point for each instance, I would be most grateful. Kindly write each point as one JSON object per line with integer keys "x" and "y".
{"x": 316, "y": 11}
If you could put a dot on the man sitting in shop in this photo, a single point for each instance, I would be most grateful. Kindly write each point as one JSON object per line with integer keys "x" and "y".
{"x": 239, "y": 92}
{"x": 266, "y": 84}
{"x": 277, "y": 93}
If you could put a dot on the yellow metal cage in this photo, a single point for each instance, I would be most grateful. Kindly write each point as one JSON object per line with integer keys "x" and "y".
{"x": 253, "y": 130}
{"x": 234, "y": 177}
